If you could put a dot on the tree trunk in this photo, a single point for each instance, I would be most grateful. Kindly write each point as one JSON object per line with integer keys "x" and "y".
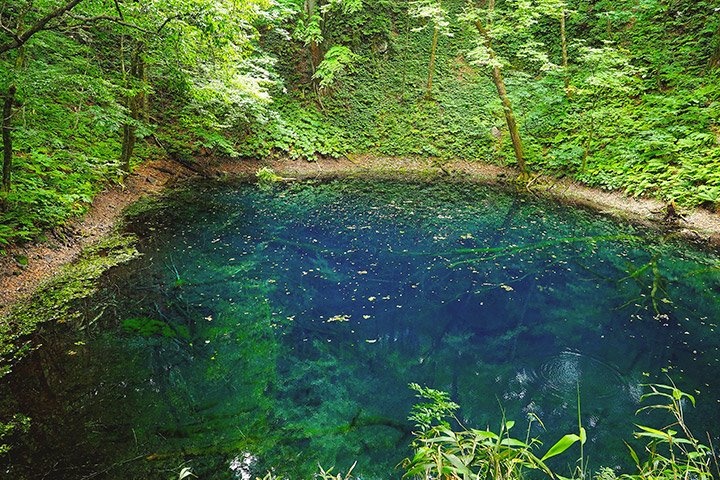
{"x": 715, "y": 57}
{"x": 431, "y": 66}
{"x": 128, "y": 145}
{"x": 507, "y": 106}
{"x": 7, "y": 139}
{"x": 510, "y": 120}
{"x": 316, "y": 54}
{"x": 133, "y": 103}
{"x": 563, "y": 40}
{"x": 144, "y": 97}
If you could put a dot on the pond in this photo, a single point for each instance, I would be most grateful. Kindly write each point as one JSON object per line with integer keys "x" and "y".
{"x": 278, "y": 329}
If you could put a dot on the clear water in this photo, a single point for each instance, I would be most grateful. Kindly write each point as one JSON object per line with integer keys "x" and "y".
{"x": 280, "y": 329}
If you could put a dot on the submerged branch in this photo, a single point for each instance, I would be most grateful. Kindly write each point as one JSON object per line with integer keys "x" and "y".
{"x": 497, "y": 252}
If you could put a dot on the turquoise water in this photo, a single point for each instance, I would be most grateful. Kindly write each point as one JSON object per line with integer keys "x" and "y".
{"x": 279, "y": 329}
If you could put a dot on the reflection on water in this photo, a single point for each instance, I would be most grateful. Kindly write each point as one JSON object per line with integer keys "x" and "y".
{"x": 281, "y": 329}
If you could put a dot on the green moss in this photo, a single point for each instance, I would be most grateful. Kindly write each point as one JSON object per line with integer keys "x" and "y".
{"x": 149, "y": 327}
{"x": 143, "y": 206}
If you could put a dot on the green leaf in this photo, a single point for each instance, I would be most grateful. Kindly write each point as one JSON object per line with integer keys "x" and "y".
{"x": 458, "y": 464}
{"x": 485, "y": 434}
{"x": 439, "y": 439}
{"x": 652, "y": 433}
{"x": 563, "y": 444}
{"x": 512, "y": 442}
{"x": 634, "y": 455}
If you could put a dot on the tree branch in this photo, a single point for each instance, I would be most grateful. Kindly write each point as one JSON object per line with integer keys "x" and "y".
{"x": 21, "y": 39}
{"x": 108, "y": 18}
{"x": 119, "y": 10}
{"x": 121, "y": 21}
{"x": 167, "y": 20}
{"x": 9, "y": 31}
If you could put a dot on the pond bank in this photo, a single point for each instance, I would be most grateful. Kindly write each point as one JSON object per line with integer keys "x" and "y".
{"x": 44, "y": 259}
{"x": 698, "y": 225}
{"x": 65, "y": 244}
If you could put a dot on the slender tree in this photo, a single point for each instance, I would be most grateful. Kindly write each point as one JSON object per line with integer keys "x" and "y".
{"x": 313, "y": 32}
{"x": 312, "y": 28}
{"x": 133, "y": 103}
{"x": 432, "y": 13}
{"x": 7, "y": 138}
{"x": 485, "y": 54}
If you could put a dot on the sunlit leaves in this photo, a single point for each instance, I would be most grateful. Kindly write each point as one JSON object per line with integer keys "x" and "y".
{"x": 310, "y": 30}
{"x": 432, "y": 14}
{"x": 608, "y": 71}
{"x": 435, "y": 410}
{"x": 347, "y": 7}
{"x": 337, "y": 61}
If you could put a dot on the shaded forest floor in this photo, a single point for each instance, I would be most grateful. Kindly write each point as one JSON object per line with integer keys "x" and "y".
{"x": 64, "y": 245}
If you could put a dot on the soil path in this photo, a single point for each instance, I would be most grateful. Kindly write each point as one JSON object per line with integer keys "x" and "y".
{"x": 64, "y": 245}
{"x": 44, "y": 259}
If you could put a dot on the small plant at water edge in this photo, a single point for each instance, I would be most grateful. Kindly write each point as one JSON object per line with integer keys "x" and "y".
{"x": 267, "y": 177}
{"x": 672, "y": 451}
{"x": 444, "y": 452}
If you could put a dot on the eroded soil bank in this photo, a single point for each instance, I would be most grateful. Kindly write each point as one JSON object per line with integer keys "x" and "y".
{"x": 18, "y": 281}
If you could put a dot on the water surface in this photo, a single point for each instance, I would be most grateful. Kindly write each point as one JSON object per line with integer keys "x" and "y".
{"x": 279, "y": 329}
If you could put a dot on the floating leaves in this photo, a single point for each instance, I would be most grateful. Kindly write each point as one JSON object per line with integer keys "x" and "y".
{"x": 339, "y": 318}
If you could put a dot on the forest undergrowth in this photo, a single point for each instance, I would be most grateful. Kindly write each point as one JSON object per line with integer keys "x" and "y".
{"x": 616, "y": 95}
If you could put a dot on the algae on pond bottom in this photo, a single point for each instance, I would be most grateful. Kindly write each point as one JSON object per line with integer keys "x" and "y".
{"x": 280, "y": 328}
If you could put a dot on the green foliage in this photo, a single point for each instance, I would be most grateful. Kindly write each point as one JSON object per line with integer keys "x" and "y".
{"x": 481, "y": 454}
{"x": 148, "y": 327}
{"x": 338, "y": 60}
{"x": 672, "y": 451}
{"x": 266, "y": 177}
{"x": 322, "y": 474}
{"x": 17, "y": 424}
{"x": 64, "y": 140}
{"x": 639, "y": 113}
{"x": 193, "y": 69}
{"x": 297, "y": 132}
{"x": 436, "y": 410}
{"x": 442, "y": 452}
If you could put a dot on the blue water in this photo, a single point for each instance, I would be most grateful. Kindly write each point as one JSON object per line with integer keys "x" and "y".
{"x": 279, "y": 329}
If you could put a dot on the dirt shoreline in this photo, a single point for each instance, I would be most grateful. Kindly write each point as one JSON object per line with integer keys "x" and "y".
{"x": 45, "y": 259}
{"x": 65, "y": 244}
